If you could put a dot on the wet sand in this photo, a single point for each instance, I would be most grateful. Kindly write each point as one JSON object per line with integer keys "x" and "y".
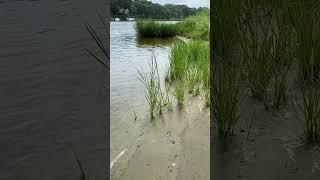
{"x": 275, "y": 148}
{"x": 175, "y": 146}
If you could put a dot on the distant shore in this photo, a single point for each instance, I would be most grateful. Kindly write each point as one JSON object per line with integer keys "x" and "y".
{"x": 151, "y": 19}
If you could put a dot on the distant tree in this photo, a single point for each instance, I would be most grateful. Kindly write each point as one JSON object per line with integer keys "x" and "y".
{"x": 147, "y": 9}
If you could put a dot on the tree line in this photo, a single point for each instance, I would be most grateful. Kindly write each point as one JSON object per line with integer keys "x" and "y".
{"x": 147, "y": 10}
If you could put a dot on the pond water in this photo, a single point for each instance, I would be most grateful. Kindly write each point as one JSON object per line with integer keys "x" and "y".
{"x": 130, "y": 54}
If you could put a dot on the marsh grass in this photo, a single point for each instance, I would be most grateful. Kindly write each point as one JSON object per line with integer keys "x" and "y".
{"x": 99, "y": 40}
{"x": 225, "y": 29}
{"x": 277, "y": 40}
{"x": 156, "y": 29}
{"x": 224, "y": 98}
{"x": 179, "y": 92}
{"x": 256, "y": 52}
{"x": 282, "y": 55}
{"x": 195, "y": 27}
{"x": 206, "y": 95}
{"x": 178, "y": 61}
{"x": 279, "y": 91}
{"x": 192, "y": 79}
{"x": 310, "y": 111}
{"x": 308, "y": 47}
{"x": 190, "y": 64}
{"x": 168, "y": 97}
{"x": 154, "y": 94}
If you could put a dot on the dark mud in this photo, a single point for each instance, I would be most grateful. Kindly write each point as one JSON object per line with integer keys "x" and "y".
{"x": 274, "y": 149}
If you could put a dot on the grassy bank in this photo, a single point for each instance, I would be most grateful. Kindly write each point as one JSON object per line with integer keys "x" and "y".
{"x": 189, "y": 67}
{"x": 196, "y": 27}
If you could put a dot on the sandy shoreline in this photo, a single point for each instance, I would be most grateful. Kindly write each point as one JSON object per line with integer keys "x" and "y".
{"x": 176, "y": 146}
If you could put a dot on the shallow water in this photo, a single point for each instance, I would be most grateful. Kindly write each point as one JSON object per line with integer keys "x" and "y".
{"x": 130, "y": 54}
{"x": 52, "y": 93}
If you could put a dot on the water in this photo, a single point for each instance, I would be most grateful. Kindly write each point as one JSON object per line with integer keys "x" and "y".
{"x": 52, "y": 93}
{"x": 128, "y": 55}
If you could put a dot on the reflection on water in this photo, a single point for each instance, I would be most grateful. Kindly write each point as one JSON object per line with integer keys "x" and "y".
{"x": 130, "y": 53}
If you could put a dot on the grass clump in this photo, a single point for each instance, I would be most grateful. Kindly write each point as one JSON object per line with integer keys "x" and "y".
{"x": 224, "y": 98}
{"x": 190, "y": 64}
{"x": 279, "y": 91}
{"x": 308, "y": 37}
{"x": 156, "y": 98}
{"x": 192, "y": 79}
{"x": 178, "y": 61}
{"x": 179, "y": 92}
{"x": 310, "y": 110}
{"x": 156, "y": 29}
{"x": 256, "y": 51}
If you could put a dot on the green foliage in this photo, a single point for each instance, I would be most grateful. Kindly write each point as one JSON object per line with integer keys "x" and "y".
{"x": 225, "y": 16}
{"x": 195, "y": 27}
{"x": 272, "y": 36}
{"x": 192, "y": 78}
{"x": 256, "y": 53}
{"x": 310, "y": 110}
{"x": 179, "y": 91}
{"x": 178, "y": 61}
{"x": 156, "y": 29}
{"x": 279, "y": 91}
{"x": 155, "y": 96}
{"x": 306, "y": 26}
{"x": 190, "y": 64}
{"x": 224, "y": 97}
{"x": 149, "y": 10}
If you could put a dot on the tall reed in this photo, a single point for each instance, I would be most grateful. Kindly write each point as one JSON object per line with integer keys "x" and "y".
{"x": 310, "y": 110}
{"x": 225, "y": 29}
{"x": 155, "y": 96}
{"x": 257, "y": 51}
{"x": 304, "y": 16}
{"x": 224, "y": 97}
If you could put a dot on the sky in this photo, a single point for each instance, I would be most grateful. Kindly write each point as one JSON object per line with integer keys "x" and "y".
{"x": 190, "y": 3}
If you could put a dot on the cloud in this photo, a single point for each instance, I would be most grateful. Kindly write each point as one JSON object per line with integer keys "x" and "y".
{"x": 190, "y": 3}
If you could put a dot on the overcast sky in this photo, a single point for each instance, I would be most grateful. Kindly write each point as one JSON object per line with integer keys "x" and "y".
{"x": 190, "y": 3}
